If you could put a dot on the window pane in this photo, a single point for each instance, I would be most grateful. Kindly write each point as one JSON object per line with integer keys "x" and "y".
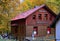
{"x": 46, "y": 16}
{"x": 40, "y": 16}
{"x": 50, "y": 17}
{"x": 34, "y": 16}
{"x": 35, "y": 29}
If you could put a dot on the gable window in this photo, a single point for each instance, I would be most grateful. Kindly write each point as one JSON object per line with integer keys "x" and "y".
{"x": 46, "y": 16}
{"x": 40, "y": 16}
{"x": 50, "y": 17}
{"x": 34, "y": 16}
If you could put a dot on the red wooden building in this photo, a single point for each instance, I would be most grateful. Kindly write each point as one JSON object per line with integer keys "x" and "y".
{"x": 37, "y": 19}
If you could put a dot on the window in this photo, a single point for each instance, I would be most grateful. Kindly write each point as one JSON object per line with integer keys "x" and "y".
{"x": 34, "y": 16}
{"x": 48, "y": 30}
{"x": 50, "y": 17}
{"x": 40, "y": 16}
{"x": 46, "y": 16}
{"x": 35, "y": 29}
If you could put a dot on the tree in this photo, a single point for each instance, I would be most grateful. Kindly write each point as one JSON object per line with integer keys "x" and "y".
{"x": 28, "y": 4}
{"x": 54, "y": 5}
{"x": 8, "y": 8}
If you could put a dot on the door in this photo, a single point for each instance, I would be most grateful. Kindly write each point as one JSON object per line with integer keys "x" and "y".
{"x": 35, "y": 30}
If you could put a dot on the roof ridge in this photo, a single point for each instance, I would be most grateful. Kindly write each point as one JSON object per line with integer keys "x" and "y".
{"x": 29, "y": 12}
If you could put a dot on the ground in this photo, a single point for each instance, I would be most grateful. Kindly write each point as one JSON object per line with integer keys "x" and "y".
{"x": 7, "y": 40}
{"x": 46, "y": 38}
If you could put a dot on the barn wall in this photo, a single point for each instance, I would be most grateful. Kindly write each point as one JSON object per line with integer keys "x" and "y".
{"x": 31, "y": 21}
{"x": 42, "y": 24}
{"x": 25, "y": 27}
{"x": 29, "y": 30}
{"x": 14, "y": 28}
{"x": 41, "y": 31}
{"x": 22, "y": 30}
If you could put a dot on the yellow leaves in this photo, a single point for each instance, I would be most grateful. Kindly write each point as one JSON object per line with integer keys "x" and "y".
{"x": 1, "y": 8}
{"x": 28, "y": 4}
{"x": 24, "y": 6}
{"x": 38, "y": 2}
{"x": 32, "y": 3}
{"x": 3, "y": 20}
{"x": 53, "y": 6}
{"x": 3, "y": 26}
{"x": 50, "y": 0}
{"x": 6, "y": 6}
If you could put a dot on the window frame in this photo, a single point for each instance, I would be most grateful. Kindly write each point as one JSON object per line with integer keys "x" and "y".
{"x": 35, "y": 28}
{"x": 40, "y": 16}
{"x": 34, "y": 16}
{"x": 50, "y": 18}
{"x": 45, "y": 16}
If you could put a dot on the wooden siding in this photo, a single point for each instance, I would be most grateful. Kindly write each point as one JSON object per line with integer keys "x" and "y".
{"x": 41, "y": 24}
{"x": 31, "y": 21}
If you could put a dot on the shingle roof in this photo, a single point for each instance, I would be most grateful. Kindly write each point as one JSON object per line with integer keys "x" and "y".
{"x": 29, "y": 12}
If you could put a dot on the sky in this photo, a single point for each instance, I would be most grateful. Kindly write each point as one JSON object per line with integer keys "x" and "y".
{"x": 21, "y": 1}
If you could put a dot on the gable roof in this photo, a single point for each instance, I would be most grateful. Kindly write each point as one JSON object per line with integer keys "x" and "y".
{"x": 55, "y": 21}
{"x": 29, "y": 12}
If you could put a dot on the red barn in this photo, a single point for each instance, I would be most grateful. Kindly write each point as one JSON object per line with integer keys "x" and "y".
{"x": 35, "y": 20}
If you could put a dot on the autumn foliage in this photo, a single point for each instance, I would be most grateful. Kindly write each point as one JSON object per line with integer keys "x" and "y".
{"x": 11, "y": 8}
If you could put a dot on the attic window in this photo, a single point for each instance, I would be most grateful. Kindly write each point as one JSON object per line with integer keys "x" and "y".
{"x": 50, "y": 17}
{"x": 34, "y": 16}
{"x": 40, "y": 16}
{"x": 46, "y": 16}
